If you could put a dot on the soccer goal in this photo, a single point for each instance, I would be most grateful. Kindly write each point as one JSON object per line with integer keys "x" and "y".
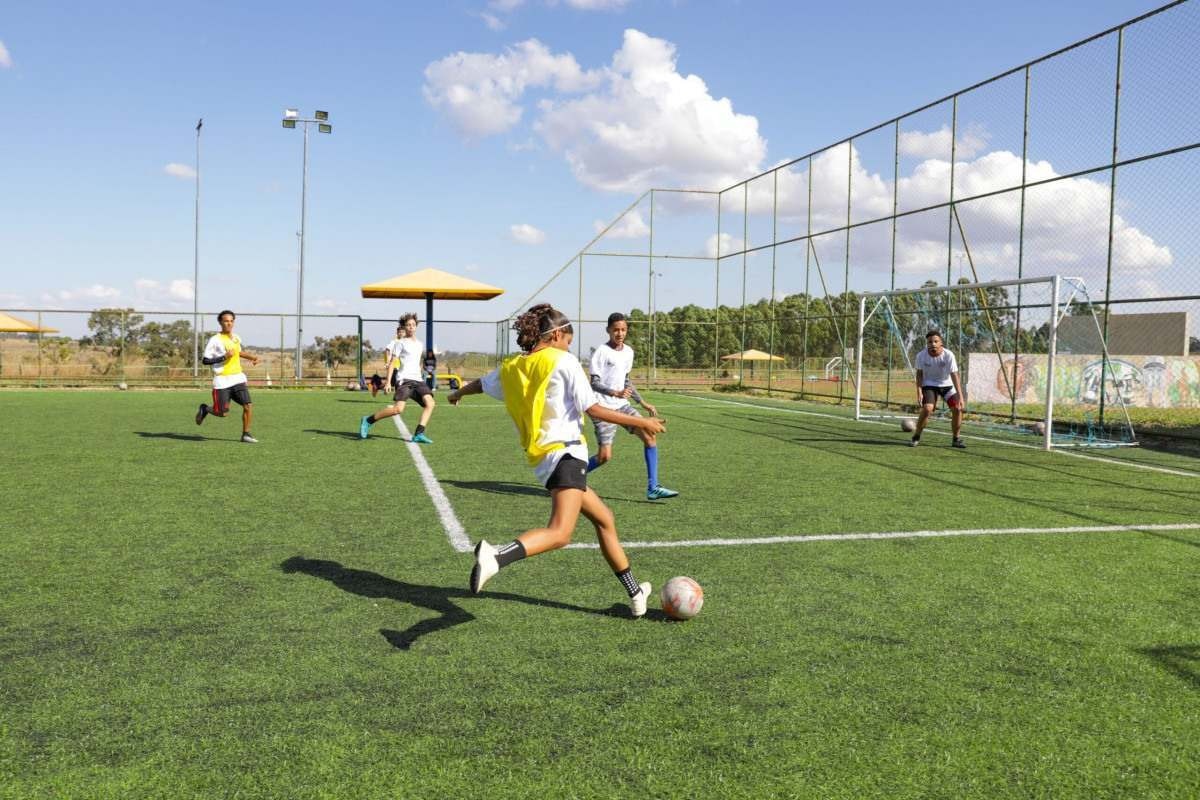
{"x": 1020, "y": 375}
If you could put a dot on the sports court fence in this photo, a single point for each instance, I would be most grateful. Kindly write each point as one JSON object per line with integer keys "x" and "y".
{"x": 1085, "y": 162}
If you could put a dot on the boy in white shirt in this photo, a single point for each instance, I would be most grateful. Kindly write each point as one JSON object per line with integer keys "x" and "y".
{"x": 610, "y": 367}
{"x": 224, "y": 354}
{"x": 937, "y": 376}
{"x": 404, "y": 373}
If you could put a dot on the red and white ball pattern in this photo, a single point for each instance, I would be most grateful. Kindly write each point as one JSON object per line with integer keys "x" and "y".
{"x": 682, "y": 598}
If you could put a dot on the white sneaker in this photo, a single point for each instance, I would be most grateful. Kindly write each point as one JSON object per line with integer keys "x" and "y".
{"x": 486, "y": 566}
{"x": 637, "y": 603}
{"x": 247, "y": 438}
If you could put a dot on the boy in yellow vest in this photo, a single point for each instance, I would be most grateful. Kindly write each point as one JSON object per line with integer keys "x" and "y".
{"x": 224, "y": 354}
{"x": 547, "y": 394}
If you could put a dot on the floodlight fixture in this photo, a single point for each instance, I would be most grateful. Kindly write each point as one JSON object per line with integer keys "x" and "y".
{"x": 291, "y": 113}
{"x": 289, "y": 123}
{"x": 322, "y": 115}
{"x": 324, "y": 127}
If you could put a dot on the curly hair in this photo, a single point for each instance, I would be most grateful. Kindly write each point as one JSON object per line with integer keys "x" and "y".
{"x": 537, "y": 322}
{"x": 405, "y": 318}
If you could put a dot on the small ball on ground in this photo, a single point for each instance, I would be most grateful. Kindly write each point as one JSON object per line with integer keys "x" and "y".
{"x": 908, "y": 425}
{"x": 122, "y": 386}
{"x": 1039, "y": 428}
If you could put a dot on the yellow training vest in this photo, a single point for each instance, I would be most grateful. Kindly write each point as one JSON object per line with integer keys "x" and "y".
{"x": 524, "y": 379}
{"x": 233, "y": 350}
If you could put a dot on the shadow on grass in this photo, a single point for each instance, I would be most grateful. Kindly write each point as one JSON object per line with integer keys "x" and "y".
{"x": 498, "y": 487}
{"x": 1183, "y": 661}
{"x": 179, "y": 437}
{"x": 337, "y": 434}
{"x": 435, "y": 598}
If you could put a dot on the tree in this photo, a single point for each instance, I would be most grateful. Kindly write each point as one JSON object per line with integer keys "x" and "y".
{"x": 107, "y": 324}
{"x": 338, "y": 350}
{"x": 169, "y": 343}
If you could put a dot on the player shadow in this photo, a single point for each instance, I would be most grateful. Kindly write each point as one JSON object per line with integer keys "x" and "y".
{"x": 1182, "y": 661}
{"x": 439, "y": 599}
{"x": 336, "y": 434}
{"x": 179, "y": 437}
{"x": 497, "y": 487}
{"x": 381, "y": 400}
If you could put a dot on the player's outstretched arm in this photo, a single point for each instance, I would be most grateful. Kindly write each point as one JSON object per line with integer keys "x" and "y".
{"x": 474, "y": 387}
{"x": 648, "y": 424}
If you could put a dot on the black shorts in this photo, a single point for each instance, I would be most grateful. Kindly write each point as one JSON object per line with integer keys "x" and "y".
{"x": 240, "y": 394}
{"x": 571, "y": 473}
{"x": 408, "y": 389}
{"x": 930, "y": 394}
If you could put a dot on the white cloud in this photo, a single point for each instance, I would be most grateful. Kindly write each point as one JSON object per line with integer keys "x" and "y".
{"x": 179, "y": 171}
{"x": 327, "y": 304}
{"x": 152, "y": 294}
{"x": 527, "y": 234}
{"x": 936, "y": 144}
{"x": 479, "y": 91}
{"x": 492, "y": 21}
{"x": 505, "y": 5}
{"x": 630, "y": 226}
{"x": 12, "y": 300}
{"x": 634, "y": 124}
{"x": 598, "y": 5}
{"x": 6, "y": 61}
{"x": 652, "y": 126}
{"x": 729, "y": 244}
{"x": 95, "y": 294}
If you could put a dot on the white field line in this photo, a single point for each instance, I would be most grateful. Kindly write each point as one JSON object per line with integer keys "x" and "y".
{"x": 454, "y": 529}
{"x": 1072, "y": 454}
{"x": 842, "y": 537}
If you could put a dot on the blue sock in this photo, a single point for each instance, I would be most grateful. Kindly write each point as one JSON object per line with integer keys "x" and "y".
{"x": 651, "y": 454}
{"x": 593, "y": 463}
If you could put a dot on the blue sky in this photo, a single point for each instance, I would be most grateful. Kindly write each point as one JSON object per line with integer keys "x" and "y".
{"x": 496, "y": 184}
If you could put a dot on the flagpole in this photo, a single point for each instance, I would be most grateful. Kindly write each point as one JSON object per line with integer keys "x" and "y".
{"x": 196, "y": 266}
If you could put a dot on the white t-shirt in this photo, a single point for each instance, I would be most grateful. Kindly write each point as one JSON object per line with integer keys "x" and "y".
{"x": 936, "y": 371}
{"x": 410, "y": 352}
{"x": 612, "y": 367}
{"x": 568, "y": 397}
{"x": 223, "y": 378}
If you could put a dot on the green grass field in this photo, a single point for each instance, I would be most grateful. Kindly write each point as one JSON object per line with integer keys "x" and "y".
{"x": 186, "y": 616}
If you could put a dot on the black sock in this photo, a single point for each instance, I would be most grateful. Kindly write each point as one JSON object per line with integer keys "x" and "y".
{"x": 628, "y": 581}
{"x": 420, "y": 430}
{"x": 371, "y": 420}
{"x": 513, "y": 551}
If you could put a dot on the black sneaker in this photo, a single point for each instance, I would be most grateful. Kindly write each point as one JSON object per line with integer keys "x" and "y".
{"x": 959, "y": 443}
{"x": 202, "y": 413}
{"x": 914, "y": 441}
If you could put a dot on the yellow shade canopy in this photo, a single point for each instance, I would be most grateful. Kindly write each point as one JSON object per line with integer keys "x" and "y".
{"x": 431, "y": 284}
{"x": 11, "y": 324}
{"x": 751, "y": 355}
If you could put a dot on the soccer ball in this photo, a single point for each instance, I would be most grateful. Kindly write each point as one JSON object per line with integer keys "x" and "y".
{"x": 908, "y": 425}
{"x": 682, "y": 598}
{"x": 1039, "y": 428}
{"x": 122, "y": 386}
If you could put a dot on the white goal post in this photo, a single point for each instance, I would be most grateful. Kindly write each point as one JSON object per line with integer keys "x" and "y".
{"x": 1005, "y": 335}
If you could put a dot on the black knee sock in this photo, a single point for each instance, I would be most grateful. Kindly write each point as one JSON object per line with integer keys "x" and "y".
{"x": 628, "y": 581}
{"x": 420, "y": 430}
{"x": 513, "y": 551}
{"x": 371, "y": 420}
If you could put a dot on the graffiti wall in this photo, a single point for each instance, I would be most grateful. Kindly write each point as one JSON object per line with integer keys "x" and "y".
{"x": 1147, "y": 381}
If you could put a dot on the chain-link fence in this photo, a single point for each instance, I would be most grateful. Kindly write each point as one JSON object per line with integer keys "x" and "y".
{"x": 115, "y": 346}
{"x": 1085, "y": 162}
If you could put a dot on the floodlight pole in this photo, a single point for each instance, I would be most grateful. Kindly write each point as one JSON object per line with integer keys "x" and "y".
{"x": 196, "y": 266}
{"x": 290, "y": 117}
{"x": 300, "y": 278}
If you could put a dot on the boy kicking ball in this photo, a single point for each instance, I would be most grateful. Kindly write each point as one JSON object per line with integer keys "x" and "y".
{"x": 937, "y": 376}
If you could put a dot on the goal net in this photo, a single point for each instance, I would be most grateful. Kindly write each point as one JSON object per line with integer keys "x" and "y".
{"x": 1020, "y": 377}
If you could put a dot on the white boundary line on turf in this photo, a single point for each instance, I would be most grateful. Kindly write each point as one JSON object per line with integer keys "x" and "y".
{"x": 454, "y": 529}
{"x": 1118, "y": 462}
{"x": 842, "y": 537}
